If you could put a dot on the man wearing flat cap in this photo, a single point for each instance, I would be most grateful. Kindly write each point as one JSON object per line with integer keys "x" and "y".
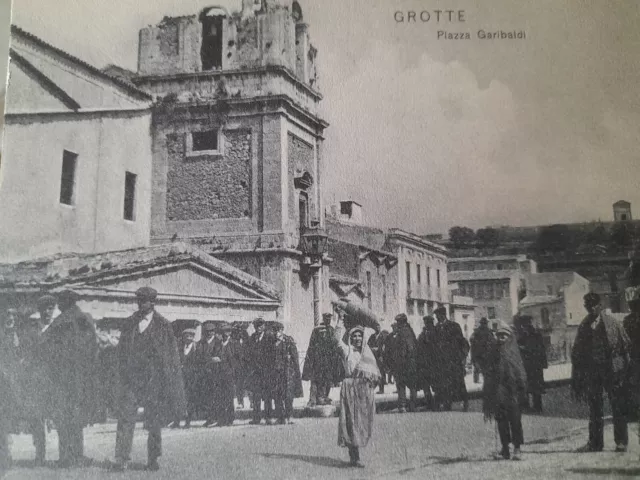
{"x": 191, "y": 362}
{"x": 225, "y": 352}
{"x": 209, "y": 377}
{"x": 403, "y": 362}
{"x": 70, "y": 348}
{"x": 261, "y": 357}
{"x": 453, "y": 349}
{"x": 287, "y": 383}
{"x": 150, "y": 377}
{"x": 600, "y": 363}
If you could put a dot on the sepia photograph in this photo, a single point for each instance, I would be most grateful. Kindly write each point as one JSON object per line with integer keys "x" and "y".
{"x": 337, "y": 239}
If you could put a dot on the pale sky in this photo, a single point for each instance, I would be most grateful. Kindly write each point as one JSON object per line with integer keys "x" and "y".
{"x": 429, "y": 133}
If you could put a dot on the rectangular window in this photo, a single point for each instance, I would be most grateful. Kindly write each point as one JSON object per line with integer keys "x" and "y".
{"x": 129, "y": 195}
{"x": 491, "y": 311}
{"x": 550, "y": 289}
{"x": 384, "y": 293}
{"x": 68, "y": 178}
{"x": 408, "y": 267}
{"x": 204, "y": 141}
{"x": 428, "y": 275}
{"x": 419, "y": 274}
{"x": 438, "y": 277}
{"x": 421, "y": 308}
{"x": 409, "y": 307}
{"x": 369, "y": 302}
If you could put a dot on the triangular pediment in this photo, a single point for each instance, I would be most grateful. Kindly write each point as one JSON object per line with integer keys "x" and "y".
{"x": 185, "y": 280}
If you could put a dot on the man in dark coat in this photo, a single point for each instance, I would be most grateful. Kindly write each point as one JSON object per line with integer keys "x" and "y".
{"x": 261, "y": 358}
{"x": 427, "y": 352}
{"x": 34, "y": 377}
{"x": 482, "y": 343}
{"x": 287, "y": 383}
{"x": 226, "y": 363}
{"x": 631, "y": 325}
{"x": 403, "y": 363}
{"x": 209, "y": 377}
{"x": 10, "y": 393}
{"x": 376, "y": 343}
{"x": 150, "y": 377}
{"x": 70, "y": 349}
{"x": 600, "y": 361}
{"x": 453, "y": 349}
{"x": 240, "y": 338}
{"x": 322, "y": 361}
{"x": 534, "y": 357}
{"x": 191, "y": 362}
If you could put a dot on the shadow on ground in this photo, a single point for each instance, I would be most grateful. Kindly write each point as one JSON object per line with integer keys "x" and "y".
{"x": 625, "y": 472}
{"x": 319, "y": 461}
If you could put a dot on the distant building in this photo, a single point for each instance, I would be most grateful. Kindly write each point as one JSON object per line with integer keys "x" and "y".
{"x": 622, "y": 211}
{"x": 555, "y": 301}
{"x": 465, "y": 313}
{"x": 495, "y": 291}
{"x": 76, "y": 166}
{"x": 499, "y": 262}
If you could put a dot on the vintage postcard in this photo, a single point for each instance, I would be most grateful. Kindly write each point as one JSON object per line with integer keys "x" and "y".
{"x": 281, "y": 239}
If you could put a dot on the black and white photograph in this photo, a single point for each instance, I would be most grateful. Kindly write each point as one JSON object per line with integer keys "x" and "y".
{"x": 319, "y": 239}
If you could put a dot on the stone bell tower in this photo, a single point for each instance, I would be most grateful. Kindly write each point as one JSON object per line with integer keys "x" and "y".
{"x": 237, "y": 138}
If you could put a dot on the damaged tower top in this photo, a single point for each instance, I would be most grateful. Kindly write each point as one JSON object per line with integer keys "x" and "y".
{"x": 265, "y": 33}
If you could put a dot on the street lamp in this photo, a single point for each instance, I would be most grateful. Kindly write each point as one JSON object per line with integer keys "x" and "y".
{"x": 314, "y": 245}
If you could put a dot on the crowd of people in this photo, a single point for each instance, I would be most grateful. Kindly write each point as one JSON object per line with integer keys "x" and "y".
{"x": 50, "y": 373}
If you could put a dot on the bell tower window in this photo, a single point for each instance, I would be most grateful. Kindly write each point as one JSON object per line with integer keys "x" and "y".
{"x": 212, "y": 38}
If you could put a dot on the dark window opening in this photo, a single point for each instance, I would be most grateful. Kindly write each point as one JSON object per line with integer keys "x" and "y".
{"x": 384, "y": 293}
{"x": 303, "y": 206}
{"x": 129, "y": 195}
{"x": 623, "y": 217}
{"x": 369, "y": 300}
{"x": 438, "y": 278}
{"x": 491, "y": 312}
{"x": 211, "y": 52}
{"x": 546, "y": 321}
{"x": 204, "y": 141}
{"x": 419, "y": 274}
{"x": 408, "y": 265}
{"x": 68, "y": 178}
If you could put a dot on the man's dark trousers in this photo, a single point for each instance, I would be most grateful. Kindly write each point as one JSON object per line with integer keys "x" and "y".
{"x": 127, "y": 424}
{"x": 601, "y": 380}
{"x": 509, "y": 422}
{"x": 402, "y": 384}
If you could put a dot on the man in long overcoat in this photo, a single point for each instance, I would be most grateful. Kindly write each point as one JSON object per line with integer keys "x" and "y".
{"x": 322, "y": 361}
{"x": 600, "y": 361}
{"x": 261, "y": 358}
{"x": 482, "y": 344}
{"x": 453, "y": 349}
{"x": 240, "y": 338}
{"x": 208, "y": 379}
{"x": 34, "y": 377}
{"x": 70, "y": 349}
{"x": 427, "y": 353}
{"x": 376, "y": 343}
{"x": 191, "y": 361}
{"x": 10, "y": 393}
{"x": 534, "y": 358}
{"x": 403, "y": 363}
{"x": 150, "y": 377}
{"x": 287, "y": 383}
{"x": 226, "y": 363}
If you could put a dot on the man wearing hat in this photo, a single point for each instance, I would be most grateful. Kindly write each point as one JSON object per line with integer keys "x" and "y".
{"x": 261, "y": 357}
{"x": 34, "y": 377}
{"x": 150, "y": 377}
{"x": 227, "y": 362}
{"x": 600, "y": 362}
{"x": 403, "y": 362}
{"x": 287, "y": 383}
{"x": 191, "y": 362}
{"x": 453, "y": 349}
{"x": 209, "y": 377}
{"x": 70, "y": 353}
{"x": 322, "y": 362}
{"x": 426, "y": 359}
{"x": 482, "y": 343}
{"x": 534, "y": 357}
{"x": 240, "y": 337}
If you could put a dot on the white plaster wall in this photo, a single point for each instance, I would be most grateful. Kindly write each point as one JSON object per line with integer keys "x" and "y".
{"x": 32, "y": 220}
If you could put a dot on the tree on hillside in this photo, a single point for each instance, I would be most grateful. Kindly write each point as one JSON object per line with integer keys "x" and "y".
{"x": 488, "y": 237}
{"x": 598, "y": 236}
{"x": 461, "y": 236}
{"x": 622, "y": 234}
{"x": 554, "y": 238}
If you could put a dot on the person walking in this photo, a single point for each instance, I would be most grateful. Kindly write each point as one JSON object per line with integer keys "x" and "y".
{"x": 287, "y": 383}
{"x": 357, "y": 394}
{"x": 534, "y": 357}
{"x": 600, "y": 361}
{"x": 427, "y": 360}
{"x": 403, "y": 360}
{"x": 150, "y": 377}
{"x": 70, "y": 353}
{"x": 505, "y": 383}
{"x": 320, "y": 362}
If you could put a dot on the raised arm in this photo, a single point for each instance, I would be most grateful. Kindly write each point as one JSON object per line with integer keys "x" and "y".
{"x": 339, "y": 333}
